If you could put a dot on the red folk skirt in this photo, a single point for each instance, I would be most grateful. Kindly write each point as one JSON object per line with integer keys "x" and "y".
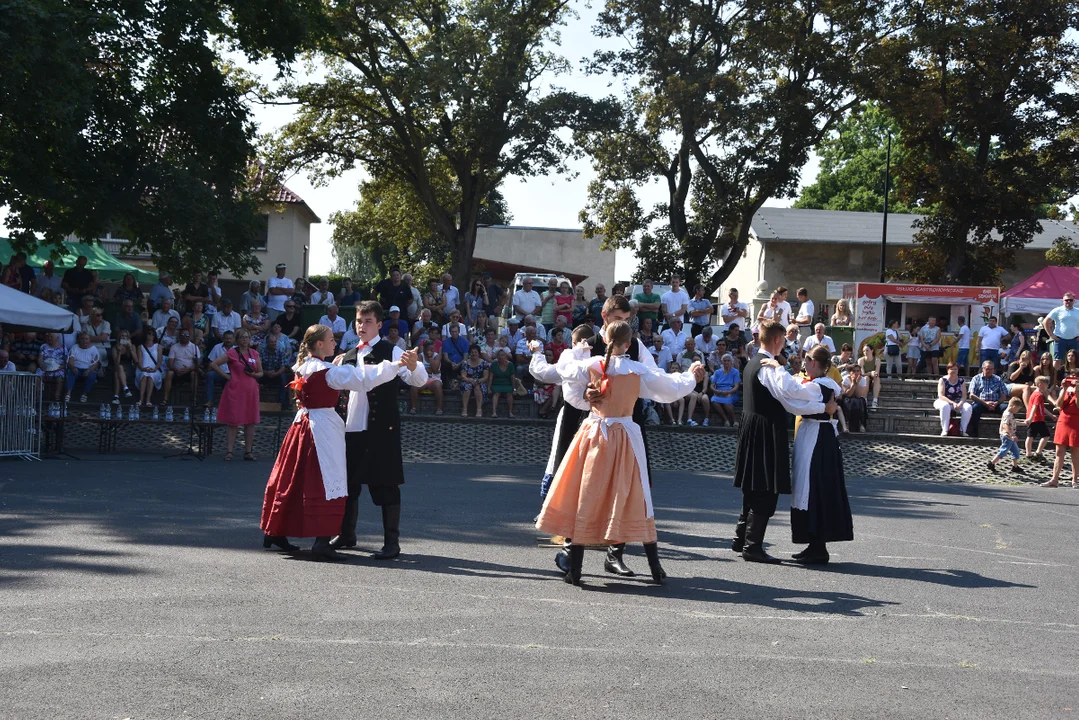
{"x": 295, "y": 503}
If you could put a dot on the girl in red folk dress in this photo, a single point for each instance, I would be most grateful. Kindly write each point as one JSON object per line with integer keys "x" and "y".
{"x": 1067, "y": 432}
{"x": 305, "y": 496}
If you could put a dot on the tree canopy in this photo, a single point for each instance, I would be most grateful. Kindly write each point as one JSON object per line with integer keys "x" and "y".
{"x": 120, "y": 116}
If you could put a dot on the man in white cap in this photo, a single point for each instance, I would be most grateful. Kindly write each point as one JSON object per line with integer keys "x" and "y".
{"x": 394, "y": 319}
{"x": 278, "y": 289}
{"x": 513, "y": 331}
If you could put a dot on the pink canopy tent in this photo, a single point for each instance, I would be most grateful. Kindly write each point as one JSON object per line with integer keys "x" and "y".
{"x": 1040, "y": 292}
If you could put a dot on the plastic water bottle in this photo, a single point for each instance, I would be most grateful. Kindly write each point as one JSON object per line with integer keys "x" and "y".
{"x": 168, "y": 414}
{"x": 156, "y": 415}
{"x": 108, "y": 412}
{"x": 213, "y": 416}
{"x": 187, "y": 414}
{"x": 65, "y": 409}
{"x": 206, "y": 415}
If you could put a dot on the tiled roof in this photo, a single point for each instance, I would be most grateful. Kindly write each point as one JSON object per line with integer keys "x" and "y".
{"x": 839, "y": 226}
{"x": 279, "y": 193}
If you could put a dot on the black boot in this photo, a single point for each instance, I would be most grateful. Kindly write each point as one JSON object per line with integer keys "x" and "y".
{"x": 651, "y": 551}
{"x": 322, "y": 550}
{"x": 756, "y": 525}
{"x": 614, "y": 564}
{"x": 391, "y": 526}
{"x": 561, "y": 560}
{"x": 280, "y": 541}
{"x": 347, "y": 538}
{"x": 815, "y": 554}
{"x": 739, "y": 542}
{"x": 576, "y": 560}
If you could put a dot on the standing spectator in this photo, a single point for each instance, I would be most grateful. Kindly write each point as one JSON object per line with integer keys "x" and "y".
{"x": 806, "y": 311}
{"x": 183, "y": 362}
{"x": 83, "y": 362}
{"x": 502, "y": 374}
{"x": 646, "y": 334}
{"x": 451, "y": 293}
{"x": 334, "y": 322}
{"x": 784, "y": 307}
{"x": 581, "y": 314}
{"x": 100, "y": 333}
{"x": 914, "y": 347}
{"x": 951, "y": 398}
{"x": 394, "y": 320}
{"x": 564, "y": 307}
{"x": 240, "y": 398}
{"x": 734, "y": 312}
{"x": 79, "y": 281}
{"x": 700, "y": 311}
{"x": 930, "y": 341}
{"x": 128, "y": 290}
{"x": 557, "y": 343}
{"x": 454, "y": 351}
{"x": 323, "y": 296}
{"x": 432, "y": 362}
{"x": 1062, "y": 325}
{"x": 226, "y": 320}
{"x": 892, "y": 350}
{"x": 547, "y": 305}
{"x": 435, "y": 301}
{"x": 1067, "y": 433}
{"x": 526, "y": 301}
{"x": 122, "y": 355}
{"x": 162, "y": 290}
{"x": 392, "y": 291}
{"x": 991, "y": 339}
{"x": 415, "y": 304}
{"x": 649, "y": 303}
{"x": 161, "y": 316}
{"x": 253, "y": 294}
{"x": 289, "y": 321}
{"x": 195, "y": 291}
{"x": 48, "y": 280}
{"x": 1041, "y": 338}
{"x": 870, "y": 365}
{"x": 842, "y": 317}
{"x": 988, "y": 393}
{"x": 726, "y": 381}
{"x": 279, "y": 289}
{"x": 675, "y": 301}
{"x": 19, "y": 275}
{"x": 962, "y": 358}
{"x": 53, "y": 359}
{"x": 1036, "y": 416}
{"x": 771, "y": 310}
{"x": 496, "y": 296}
{"x": 275, "y": 354}
{"x": 475, "y": 303}
{"x": 818, "y": 338}
{"x": 301, "y": 293}
{"x": 595, "y": 307}
{"x": 1009, "y": 443}
{"x": 215, "y": 292}
{"x": 674, "y": 337}
{"x": 475, "y": 379}
{"x": 211, "y": 377}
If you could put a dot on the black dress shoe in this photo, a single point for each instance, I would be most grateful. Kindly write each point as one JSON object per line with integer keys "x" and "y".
{"x": 322, "y": 550}
{"x": 614, "y": 563}
{"x": 342, "y": 541}
{"x": 280, "y": 541}
{"x": 756, "y": 553}
{"x": 800, "y": 555}
{"x": 813, "y": 555}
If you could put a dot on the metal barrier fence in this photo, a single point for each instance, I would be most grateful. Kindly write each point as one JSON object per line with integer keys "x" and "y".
{"x": 20, "y": 415}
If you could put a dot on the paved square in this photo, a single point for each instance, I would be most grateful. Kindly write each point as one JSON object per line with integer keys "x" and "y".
{"x": 138, "y": 588}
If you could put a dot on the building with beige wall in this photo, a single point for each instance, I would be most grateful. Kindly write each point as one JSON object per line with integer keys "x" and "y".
{"x": 808, "y": 248}
{"x": 505, "y": 250}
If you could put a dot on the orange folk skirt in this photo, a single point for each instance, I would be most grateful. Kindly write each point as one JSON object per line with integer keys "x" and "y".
{"x": 597, "y": 496}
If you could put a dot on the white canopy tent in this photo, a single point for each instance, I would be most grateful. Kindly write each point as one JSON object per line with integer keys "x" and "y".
{"x": 19, "y": 310}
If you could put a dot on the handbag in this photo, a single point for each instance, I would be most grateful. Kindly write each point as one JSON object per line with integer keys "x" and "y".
{"x": 519, "y": 387}
{"x": 893, "y": 350}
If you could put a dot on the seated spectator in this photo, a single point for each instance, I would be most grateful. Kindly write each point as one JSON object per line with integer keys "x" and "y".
{"x": 530, "y": 322}
{"x": 513, "y": 331}
{"x": 870, "y": 364}
{"x": 394, "y": 318}
{"x": 547, "y": 396}
{"x": 791, "y": 347}
{"x": 422, "y": 329}
{"x": 290, "y": 324}
{"x": 674, "y": 337}
{"x": 350, "y": 339}
{"x": 1020, "y": 377}
{"x": 853, "y": 400}
{"x": 646, "y": 334}
{"x": 557, "y": 344}
{"x": 217, "y": 351}
{"x": 123, "y": 356}
{"x": 85, "y": 309}
{"x": 251, "y": 296}
{"x": 845, "y": 360}
{"x": 200, "y": 322}
{"x": 454, "y": 351}
{"x": 148, "y": 371}
{"x": 24, "y": 352}
{"x": 475, "y": 379}
{"x": 161, "y": 316}
{"x": 478, "y": 330}
{"x": 753, "y": 346}
{"x": 349, "y": 297}
{"x": 818, "y": 338}
{"x": 675, "y": 410}
{"x": 128, "y": 320}
{"x": 432, "y": 362}
{"x": 434, "y": 336}
{"x": 706, "y": 341}
{"x": 475, "y": 303}
{"x": 333, "y": 321}
{"x": 488, "y": 345}
{"x": 726, "y": 381}
{"x": 83, "y": 362}
{"x": 686, "y": 358}
{"x": 842, "y": 317}
{"x": 214, "y": 301}
{"x": 988, "y": 395}
{"x": 395, "y": 339}
{"x": 226, "y": 321}
{"x": 660, "y": 353}
{"x": 53, "y": 359}
{"x": 794, "y": 367}
{"x": 502, "y": 374}
{"x": 434, "y": 299}
{"x": 183, "y": 363}
{"x": 257, "y": 323}
{"x": 276, "y": 372}
{"x": 734, "y": 340}
{"x": 100, "y": 332}
{"x": 522, "y": 353}
{"x": 952, "y": 397}
{"x": 6, "y": 365}
{"x": 170, "y": 334}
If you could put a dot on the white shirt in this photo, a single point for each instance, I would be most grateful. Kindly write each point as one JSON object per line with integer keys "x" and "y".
{"x": 218, "y": 351}
{"x": 727, "y": 311}
{"x": 847, "y": 381}
{"x": 338, "y": 324}
{"x": 964, "y": 337}
{"x": 805, "y": 311}
{"x": 51, "y": 283}
{"x": 277, "y": 302}
{"x": 414, "y": 306}
{"x": 358, "y": 408}
{"x": 453, "y": 297}
{"x": 675, "y": 342}
{"x": 223, "y": 323}
{"x": 812, "y": 342}
{"x": 795, "y": 397}
{"x": 320, "y": 298}
{"x": 350, "y": 339}
{"x": 10, "y": 367}
{"x": 552, "y": 374}
{"x": 662, "y": 357}
{"x": 522, "y": 346}
{"x": 891, "y": 337}
{"x": 528, "y": 300}
{"x": 706, "y": 346}
{"x": 184, "y": 356}
{"x": 161, "y": 318}
{"x": 991, "y": 337}
{"x": 84, "y": 357}
{"x": 515, "y": 337}
{"x": 784, "y": 313}
{"x": 673, "y": 301}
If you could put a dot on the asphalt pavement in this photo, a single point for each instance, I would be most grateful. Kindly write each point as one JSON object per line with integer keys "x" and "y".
{"x": 138, "y": 588}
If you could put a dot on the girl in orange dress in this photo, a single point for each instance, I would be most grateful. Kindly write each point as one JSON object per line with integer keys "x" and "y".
{"x": 601, "y": 493}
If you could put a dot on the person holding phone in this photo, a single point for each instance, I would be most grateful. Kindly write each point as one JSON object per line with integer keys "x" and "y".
{"x": 240, "y": 398}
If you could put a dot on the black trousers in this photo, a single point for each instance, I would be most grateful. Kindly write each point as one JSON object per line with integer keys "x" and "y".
{"x": 760, "y": 502}
{"x": 381, "y": 495}
{"x": 976, "y": 416}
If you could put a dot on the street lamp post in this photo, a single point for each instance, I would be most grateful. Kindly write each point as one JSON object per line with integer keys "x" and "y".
{"x": 884, "y": 228}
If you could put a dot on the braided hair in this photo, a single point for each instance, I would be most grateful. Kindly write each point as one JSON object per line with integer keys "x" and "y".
{"x": 312, "y": 336}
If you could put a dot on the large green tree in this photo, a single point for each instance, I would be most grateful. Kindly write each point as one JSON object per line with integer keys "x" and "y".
{"x": 725, "y": 102}
{"x": 120, "y": 116}
{"x": 416, "y": 90}
{"x": 984, "y": 96}
{"x": 853, "y": 162}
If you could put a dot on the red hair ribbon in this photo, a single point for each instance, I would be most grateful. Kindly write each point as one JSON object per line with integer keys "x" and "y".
{"x": 298, "y": 384}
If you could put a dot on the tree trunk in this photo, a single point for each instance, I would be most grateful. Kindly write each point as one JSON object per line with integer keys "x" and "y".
{"x": 464, "y": 246}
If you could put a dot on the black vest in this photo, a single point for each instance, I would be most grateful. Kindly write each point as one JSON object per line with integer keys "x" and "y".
{"x": 383, "y": 413}
{"x": 756, "y": 400}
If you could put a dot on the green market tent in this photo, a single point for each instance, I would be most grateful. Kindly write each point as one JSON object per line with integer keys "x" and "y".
{"x": 97, "y": 258}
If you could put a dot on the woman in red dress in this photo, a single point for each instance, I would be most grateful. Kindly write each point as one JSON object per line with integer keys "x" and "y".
{"x": 1067, "y": 432}
{"x": 240, "y": 398}
{"x": 305, "y": 496}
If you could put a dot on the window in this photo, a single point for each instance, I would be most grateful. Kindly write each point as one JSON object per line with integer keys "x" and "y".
{"x": 262, "y": 232}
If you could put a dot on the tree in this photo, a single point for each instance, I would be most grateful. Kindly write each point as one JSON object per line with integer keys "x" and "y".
{"x": 853, "y": 161}
{"x": 121, "y": 116}
{"x": 1064, "y": 253}
{"x": 984, "y": 97}
{"x": 726, "y": 99}
{"x": 415, "y": 91}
